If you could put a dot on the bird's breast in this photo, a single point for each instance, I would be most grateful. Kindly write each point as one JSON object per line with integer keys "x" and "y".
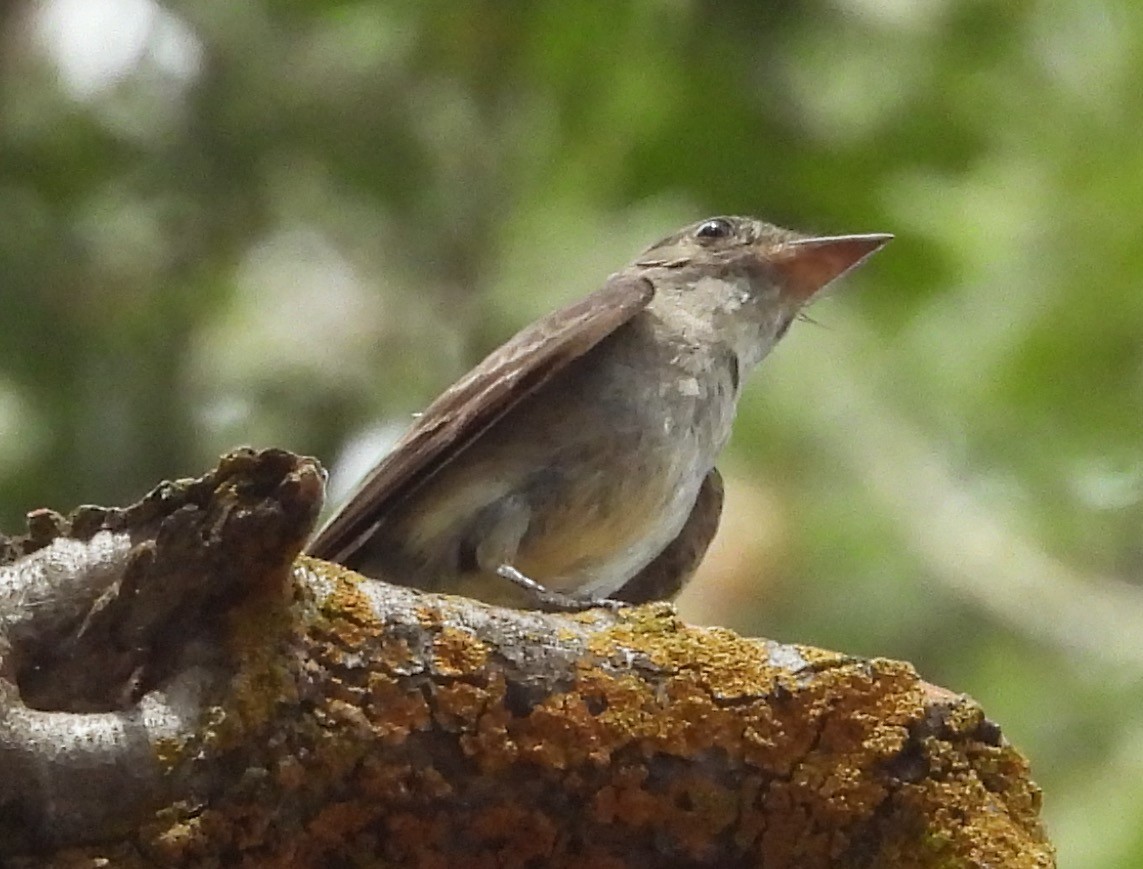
{"x": 594, "y": 525}
{"x": 646, "y": 432}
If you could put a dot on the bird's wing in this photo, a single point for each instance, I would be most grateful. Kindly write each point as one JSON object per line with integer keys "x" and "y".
{"x": 467, "y": 408}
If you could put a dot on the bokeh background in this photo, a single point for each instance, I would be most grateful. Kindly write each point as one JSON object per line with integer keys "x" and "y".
{"x": 293, "y": 223}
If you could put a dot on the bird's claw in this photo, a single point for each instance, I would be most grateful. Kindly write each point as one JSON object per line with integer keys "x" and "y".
{"x": 554, "y": 601}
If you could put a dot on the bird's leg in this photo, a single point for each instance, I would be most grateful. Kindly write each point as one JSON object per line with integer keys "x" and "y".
{"x": 500, "y": 530}
{"x": 554, "y": 601}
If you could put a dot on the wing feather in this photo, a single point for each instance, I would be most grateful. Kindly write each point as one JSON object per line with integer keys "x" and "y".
{"x": 467, "y": 408}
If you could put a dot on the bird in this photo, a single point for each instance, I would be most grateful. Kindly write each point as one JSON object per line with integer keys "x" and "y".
{"x": 574, "y": 466}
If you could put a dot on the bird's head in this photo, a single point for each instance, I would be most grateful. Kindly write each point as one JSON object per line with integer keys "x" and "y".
{"x": 745, "y": 279}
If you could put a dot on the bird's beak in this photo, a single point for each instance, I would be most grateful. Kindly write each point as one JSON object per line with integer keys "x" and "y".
{"x": 805, "y": 265}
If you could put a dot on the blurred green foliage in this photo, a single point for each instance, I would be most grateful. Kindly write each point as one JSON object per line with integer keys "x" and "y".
{"x": 227, "y": 223}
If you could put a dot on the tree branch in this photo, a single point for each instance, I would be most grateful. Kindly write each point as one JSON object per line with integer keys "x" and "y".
{"x": 312, "y": 717}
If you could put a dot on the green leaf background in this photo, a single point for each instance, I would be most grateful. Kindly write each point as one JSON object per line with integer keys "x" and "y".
{"x": 293, "y": 223}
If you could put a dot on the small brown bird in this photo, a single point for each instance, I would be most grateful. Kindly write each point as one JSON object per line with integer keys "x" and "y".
{"x": 575, "y": 465}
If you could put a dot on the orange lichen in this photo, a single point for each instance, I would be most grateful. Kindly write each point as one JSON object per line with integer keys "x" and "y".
{"x": 395, "y": 712}
{"x": 561, "y": 733}
{"x": 348, "y": 613}
{"x": 489, "y": 742}
{"x": 457, "y": 653}
{"x": 458, "y": 705}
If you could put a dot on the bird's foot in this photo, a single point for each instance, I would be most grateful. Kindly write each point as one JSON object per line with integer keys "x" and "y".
{"x": 555, "y": 601}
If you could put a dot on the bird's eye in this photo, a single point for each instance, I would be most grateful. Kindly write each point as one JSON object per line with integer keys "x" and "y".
{"x": 716, "y": 227}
